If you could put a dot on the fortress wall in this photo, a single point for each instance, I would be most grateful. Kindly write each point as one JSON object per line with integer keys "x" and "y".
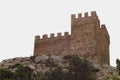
{"x": 104, "y": 45}
{"x": 88, "y": 39}
{"x": 54, "y": 45}
{"x": 80, "y": 17}
{"x": 83, "y": 34}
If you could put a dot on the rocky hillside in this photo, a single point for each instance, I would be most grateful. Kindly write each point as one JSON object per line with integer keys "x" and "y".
{"x": 43, "y": 64}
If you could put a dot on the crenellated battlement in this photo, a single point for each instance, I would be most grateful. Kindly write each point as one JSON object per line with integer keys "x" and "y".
{"x": 83, "y": 16}
{"x": 88, "y": 38}
{"x": 52, "y": 35}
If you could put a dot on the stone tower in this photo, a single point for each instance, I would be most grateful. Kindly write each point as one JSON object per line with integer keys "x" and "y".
{"x": 88, "y": 39}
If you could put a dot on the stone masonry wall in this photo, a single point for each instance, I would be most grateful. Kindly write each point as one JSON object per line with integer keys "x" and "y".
{"x": 54, "y": 45}
{"x": 83, "y": 34}
{"x": 88, "y": 39}
{"x": 103, "y": 44}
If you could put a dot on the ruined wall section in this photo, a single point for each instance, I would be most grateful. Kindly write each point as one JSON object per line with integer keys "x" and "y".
{"x": 54, "y": 45}
{"x": 83, "y": 34}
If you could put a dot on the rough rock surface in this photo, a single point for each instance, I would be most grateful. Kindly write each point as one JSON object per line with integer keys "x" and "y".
{"x": 43, "y": 64}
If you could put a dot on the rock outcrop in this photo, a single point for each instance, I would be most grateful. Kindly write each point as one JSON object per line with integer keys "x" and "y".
{"x": 44, "y": 63}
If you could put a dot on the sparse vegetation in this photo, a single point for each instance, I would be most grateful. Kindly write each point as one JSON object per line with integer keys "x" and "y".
{"x": 78, "y": 69}
{"x": 56, "y": 74}
{"x": 5, "y": 74}
{"x": 113, "y": 77}
{"x": 21, "y": 73}
{"x": 118, "y": 66}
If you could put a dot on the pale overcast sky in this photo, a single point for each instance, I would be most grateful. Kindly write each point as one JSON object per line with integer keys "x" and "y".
{"x": 21, "y": 20}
